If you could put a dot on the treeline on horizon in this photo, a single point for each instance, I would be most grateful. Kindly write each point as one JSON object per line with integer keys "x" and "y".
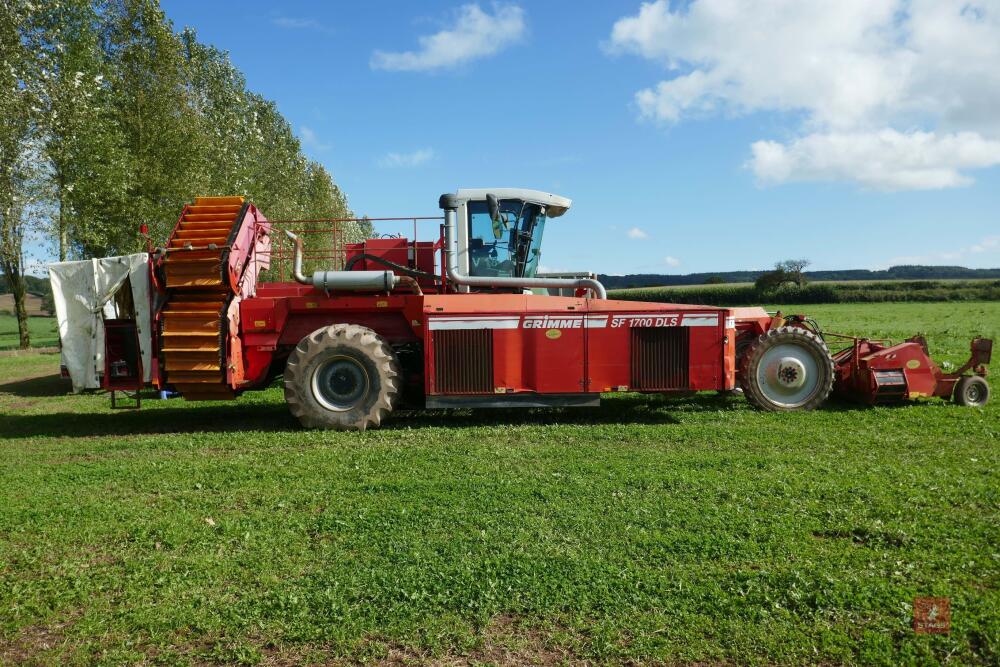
{"x": 854, "y": 291}
{"x": 902, "y": 272}
{"x": 110, "y": 118}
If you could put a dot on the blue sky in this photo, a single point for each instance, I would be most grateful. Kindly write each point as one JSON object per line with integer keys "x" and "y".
{"x": 685, "y": 143}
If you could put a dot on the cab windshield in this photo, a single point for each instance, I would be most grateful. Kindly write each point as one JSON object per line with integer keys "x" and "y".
{"x": 510, "y": 248}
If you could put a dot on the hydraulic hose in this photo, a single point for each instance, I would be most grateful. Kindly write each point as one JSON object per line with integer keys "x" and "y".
{"x": 416, "y": 273}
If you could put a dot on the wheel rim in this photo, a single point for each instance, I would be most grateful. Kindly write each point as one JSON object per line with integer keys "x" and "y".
{"x": 973, "y": 393}
{"x": 340, "y": 383}
{"x": 788, "y": 374}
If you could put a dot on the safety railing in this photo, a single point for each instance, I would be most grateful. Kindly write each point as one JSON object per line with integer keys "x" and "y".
{"x": 324, "y": 241}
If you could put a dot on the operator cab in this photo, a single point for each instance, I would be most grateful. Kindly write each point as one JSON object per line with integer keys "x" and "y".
{"x": 507, "y": 245}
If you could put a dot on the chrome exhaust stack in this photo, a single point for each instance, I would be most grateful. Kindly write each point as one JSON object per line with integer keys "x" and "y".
{"x": 352, "y": 281}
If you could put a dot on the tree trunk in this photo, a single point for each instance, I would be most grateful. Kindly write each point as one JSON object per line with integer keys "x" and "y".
{"x": 63, "y": 232}
{"x": 15, "y": 281}
{"x": 20, "y": 309}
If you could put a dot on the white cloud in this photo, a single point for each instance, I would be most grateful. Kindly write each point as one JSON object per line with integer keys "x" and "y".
{"x": 882, "y": 160}
{"x": 474, "y": 34}
{"x": 990, "y": 245}
{"x": 636, "y": 233}
{"x": 414, "y": 159}
{"x": 671, "y": 261}
{"x": 919, "y": 78}
{"x": 310, "y": 139}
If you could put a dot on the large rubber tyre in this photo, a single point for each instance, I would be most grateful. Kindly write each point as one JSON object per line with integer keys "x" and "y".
{"x": 343, "y": 377}
{"x": 972, "y": 391}
{"x": 787, "y": 369}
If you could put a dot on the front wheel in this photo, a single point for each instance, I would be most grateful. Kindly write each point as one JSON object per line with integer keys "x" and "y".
{"x": 343, "y": 377}
{"x": 787, "y": 369}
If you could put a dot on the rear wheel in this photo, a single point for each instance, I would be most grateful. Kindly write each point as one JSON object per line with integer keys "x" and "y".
{"x": 787, "y": 369}
{"x": 342, "y": 377}
{"x": 972, "y": 391}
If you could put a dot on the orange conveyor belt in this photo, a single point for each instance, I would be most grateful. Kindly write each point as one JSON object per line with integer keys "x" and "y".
{"x": 193, "y": 334}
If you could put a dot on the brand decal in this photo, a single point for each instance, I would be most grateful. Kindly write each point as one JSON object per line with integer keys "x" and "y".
{"x": 566, "y": 321}
{"x": 665, "y": 320}
{"x": 553, "y": 334}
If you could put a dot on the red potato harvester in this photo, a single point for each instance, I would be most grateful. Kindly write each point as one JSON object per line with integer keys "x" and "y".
{"x": 451, "y": 323}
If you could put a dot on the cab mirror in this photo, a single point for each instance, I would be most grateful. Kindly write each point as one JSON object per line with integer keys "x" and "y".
{"x": 494, "y": 206}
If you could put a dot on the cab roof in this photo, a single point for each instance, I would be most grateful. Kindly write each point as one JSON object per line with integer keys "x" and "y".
{"x": 554, "y": 204}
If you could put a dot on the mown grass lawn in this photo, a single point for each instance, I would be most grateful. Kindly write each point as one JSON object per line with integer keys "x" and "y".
{"x": 650, "y": 530}
{"x": 42, "y": 330}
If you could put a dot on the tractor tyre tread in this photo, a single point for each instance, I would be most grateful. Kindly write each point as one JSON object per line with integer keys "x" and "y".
{"x": 747, "y": 368}
{"x": 365, "y": 346}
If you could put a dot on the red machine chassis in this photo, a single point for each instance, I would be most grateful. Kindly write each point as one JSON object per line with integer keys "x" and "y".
{"x": 483, "y": 348}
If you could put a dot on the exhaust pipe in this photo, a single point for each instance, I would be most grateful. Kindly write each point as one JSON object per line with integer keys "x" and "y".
{"x": 449, "y": 203}
{"x": 354, "y": 281}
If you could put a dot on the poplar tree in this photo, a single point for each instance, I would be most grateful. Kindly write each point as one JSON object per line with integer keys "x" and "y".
{"x": 83, "y": 144}
{"x": 153, "y": 110}
{"x": 19, "y": 150}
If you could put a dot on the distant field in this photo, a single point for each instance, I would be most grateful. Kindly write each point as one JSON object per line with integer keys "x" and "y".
{"x": 850, "y": 283}
{"x": 844, "y": 291}
{"x": 693, "y": 531}
{"x": 32, "y": 302}
{"x": 42, "y": 330}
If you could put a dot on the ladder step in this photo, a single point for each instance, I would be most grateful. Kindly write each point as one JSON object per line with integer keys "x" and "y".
{"x": 198, "y": 241}
{"x": 201, "y": 232}
{"x": 218, "y": 201}
{"x": 208, "y": 217}
{"x": 185, "y": 365}
{"x": 197, "y": 209}
{"x": 206, "y": 224}
{"x": 199, "y": 347}
{"x": 207, "y": 380}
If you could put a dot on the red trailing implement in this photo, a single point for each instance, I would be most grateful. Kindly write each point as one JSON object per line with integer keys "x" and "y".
{"x": 877, "y": 372}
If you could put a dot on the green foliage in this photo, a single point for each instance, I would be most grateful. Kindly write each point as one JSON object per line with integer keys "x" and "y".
{"x": 845, "y": 292}
{"x": 772, "y": 280}
{"x": 22, "y": 178}
{"x": 676, "y": 531}
{"x": 715, "y": 280}
{"x": 84, "y": 143}
{"x": 32, "y": 285}
{"x": 136, "y": 120}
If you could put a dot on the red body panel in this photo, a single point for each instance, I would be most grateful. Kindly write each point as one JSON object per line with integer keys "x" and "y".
{"x": 536, "y": 344}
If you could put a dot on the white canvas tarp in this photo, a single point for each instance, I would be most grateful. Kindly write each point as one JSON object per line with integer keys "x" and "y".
{"x": 84, "y": 294}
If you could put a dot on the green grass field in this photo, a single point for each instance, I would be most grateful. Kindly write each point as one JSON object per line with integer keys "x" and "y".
{"x": 41, "y": 329}
{"x": 651, "y": 530}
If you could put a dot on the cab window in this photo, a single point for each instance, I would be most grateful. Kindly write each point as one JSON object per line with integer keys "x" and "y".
{"x": 510, "y": 248}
